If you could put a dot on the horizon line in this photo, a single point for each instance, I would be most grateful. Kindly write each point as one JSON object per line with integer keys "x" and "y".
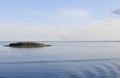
{"x": 64, "y": 41}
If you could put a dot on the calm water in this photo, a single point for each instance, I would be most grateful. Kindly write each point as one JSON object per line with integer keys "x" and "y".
{"x": 62, "y": 60}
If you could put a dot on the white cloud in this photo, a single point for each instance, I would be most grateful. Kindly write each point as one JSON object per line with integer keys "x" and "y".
{"x": 75, "y": 13}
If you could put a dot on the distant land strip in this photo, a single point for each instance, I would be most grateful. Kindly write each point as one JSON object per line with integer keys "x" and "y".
{"x": 71, "y": 41}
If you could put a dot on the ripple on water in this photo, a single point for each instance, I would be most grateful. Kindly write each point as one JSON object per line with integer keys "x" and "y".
{"x": 87, "y": 69}
{"x": 110, "y": 71}
{"x": 98, "y": 69}
{"x": 116, "y": 66}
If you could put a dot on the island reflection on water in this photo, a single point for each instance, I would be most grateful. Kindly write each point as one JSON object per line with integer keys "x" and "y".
{"x": 62, "y": 60}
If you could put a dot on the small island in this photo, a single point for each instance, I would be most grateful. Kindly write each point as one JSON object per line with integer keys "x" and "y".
{"x": 27, "y": 45}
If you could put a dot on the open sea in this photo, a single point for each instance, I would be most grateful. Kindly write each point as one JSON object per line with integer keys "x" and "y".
{"x": 61, "y": 60}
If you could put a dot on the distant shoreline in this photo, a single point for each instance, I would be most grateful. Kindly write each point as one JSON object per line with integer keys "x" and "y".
{"x": 66, "y": 41}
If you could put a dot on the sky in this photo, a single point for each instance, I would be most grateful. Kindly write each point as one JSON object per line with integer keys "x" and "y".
{"x": 59, "y": 20}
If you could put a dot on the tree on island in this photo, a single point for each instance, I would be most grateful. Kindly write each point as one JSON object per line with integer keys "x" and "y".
{"x": 27, "y": 45}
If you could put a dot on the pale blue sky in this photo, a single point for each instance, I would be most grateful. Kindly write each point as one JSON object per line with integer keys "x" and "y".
{"x": 59, "y": 19}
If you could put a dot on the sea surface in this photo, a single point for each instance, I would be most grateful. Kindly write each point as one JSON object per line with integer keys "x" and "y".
{"x": 61, "y": 60}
